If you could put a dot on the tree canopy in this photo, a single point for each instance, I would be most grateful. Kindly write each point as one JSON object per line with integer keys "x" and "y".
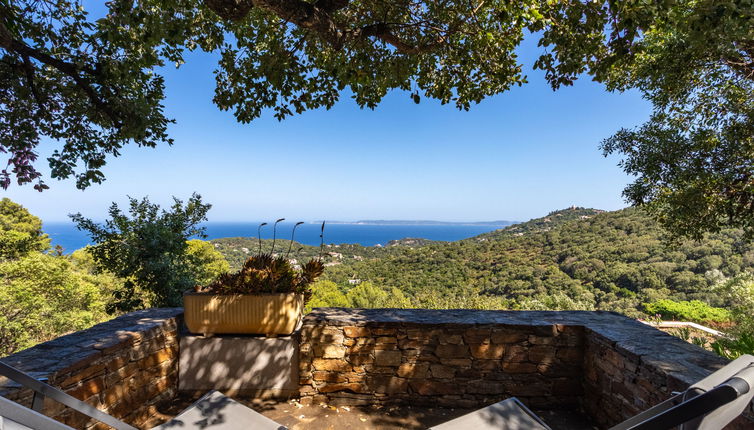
{"x": 20, "y": 231}
{"x": 149, "y": 249}
{"x": 92, "y": 84}
{"x": 694, "y": 159}
{"x": 42, "y": 295}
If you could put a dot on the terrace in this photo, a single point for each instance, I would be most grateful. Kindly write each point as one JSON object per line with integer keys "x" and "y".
{"x": 373, "y": 368}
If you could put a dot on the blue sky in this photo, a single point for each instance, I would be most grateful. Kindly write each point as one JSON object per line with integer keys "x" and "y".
{"x": 515, "y": 156}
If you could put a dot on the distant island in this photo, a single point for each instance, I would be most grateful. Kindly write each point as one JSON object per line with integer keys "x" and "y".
{"x": 424, "y": 222}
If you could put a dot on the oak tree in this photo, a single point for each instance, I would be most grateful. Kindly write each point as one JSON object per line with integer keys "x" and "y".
{"x": 93, "y": 84}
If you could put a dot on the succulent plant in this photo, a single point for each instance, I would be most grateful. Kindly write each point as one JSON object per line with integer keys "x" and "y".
{"x": 269, "y": 273}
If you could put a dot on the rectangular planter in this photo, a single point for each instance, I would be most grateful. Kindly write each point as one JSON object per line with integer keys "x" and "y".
{"x": 242, "y": 313}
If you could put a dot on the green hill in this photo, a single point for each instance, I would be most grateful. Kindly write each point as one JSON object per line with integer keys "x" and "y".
{"x": 537, "y": 225}
{"x": 574, "y": 258}
{"x": 571, "y": 259}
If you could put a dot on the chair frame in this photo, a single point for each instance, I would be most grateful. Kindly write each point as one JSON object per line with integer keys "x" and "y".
{"x": 42, "y": 390}
{"x": 708, "y": 404}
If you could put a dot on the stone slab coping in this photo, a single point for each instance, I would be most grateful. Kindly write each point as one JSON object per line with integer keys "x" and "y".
{"x": 668, "y": 354}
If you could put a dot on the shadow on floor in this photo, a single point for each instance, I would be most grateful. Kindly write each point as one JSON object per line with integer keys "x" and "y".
{"x": 326, "y": 417}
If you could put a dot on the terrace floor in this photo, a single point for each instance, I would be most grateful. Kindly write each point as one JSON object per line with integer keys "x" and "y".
{"x": 296, "y": 416}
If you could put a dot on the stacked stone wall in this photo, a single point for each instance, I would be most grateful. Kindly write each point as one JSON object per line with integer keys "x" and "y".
{"x": 124, "y": 367}
{"x": 610, "y": 366}
{"x": 623, "y": 378}
{"x": 455, "y": 365}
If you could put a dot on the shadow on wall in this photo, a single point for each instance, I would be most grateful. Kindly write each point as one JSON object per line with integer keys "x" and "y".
{"x": 239, "y": 365}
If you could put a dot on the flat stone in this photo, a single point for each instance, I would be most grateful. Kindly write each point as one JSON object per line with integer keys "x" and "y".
{"x": 413, "y": 370}
{"x": 517, "y": 353}
{"x": 357, "y": 331}
{"x": 506, "y": 336}
{"x": 331, "y": 365}
{"x": 323, "y": 376}
{"x": 485, "y": 387}
{"x": 387, "y": 384}
{"x": 477, "y": 335}
{"x": 454, "y": 339}
{"x": 387, "y": 358}
{"x": 452, "y": 351}
{"x": 517, "y": 367}
{"x": 541, "y": 354}
{"x": 350, "y": 386}
{"x": 456, "y": 362}
{"x": 442, "y": 372}
{"x": 574, "y": 355}
{"x": 330, "y": 351}
{"x": 360, "y": 359}
{"x": 87, "y": 389}
{"x": 488, "y": 351}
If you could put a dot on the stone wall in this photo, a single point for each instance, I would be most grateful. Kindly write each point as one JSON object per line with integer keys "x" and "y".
{"x": 446, "y": 358}
{"x": 124, "y": 366}
{"x": 610, "y": 366}
{"x": 626, "y": 374}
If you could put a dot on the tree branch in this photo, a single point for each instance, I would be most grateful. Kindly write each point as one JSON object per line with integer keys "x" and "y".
{"x": 29, "y": 69}
{"x": 305, "y": 15}
{"x": 331, "y": 5}
{"x": 317, "y": 18}
{"x": 382, "y": 32}
{"x": 71, "y": 70}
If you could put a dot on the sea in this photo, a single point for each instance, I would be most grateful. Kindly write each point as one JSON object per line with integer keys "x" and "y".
{"x": 70, "y": 238}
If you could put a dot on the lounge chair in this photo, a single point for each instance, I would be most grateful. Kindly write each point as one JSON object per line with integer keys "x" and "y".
{"x": 213, "y": 411}
{"x": 510, "y": 414}
{"x": 710, "y": 404}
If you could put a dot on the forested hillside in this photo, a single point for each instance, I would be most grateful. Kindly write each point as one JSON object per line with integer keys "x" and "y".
{"x": 571, "y": 259}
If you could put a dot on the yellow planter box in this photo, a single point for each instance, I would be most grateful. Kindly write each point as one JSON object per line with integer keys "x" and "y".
{"x": 242, "y": 313}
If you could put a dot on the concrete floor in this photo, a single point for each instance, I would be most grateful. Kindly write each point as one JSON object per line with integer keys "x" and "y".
{"x": 296, "y": 416}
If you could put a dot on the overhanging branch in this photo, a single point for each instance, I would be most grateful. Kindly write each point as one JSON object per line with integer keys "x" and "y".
{"x": 9, "y": 43}
{"x": 317, "y": 18}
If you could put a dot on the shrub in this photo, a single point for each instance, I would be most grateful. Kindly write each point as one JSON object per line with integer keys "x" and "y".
{"x": 732, "y": 348}
{"x": 148, "y": 248}
{"x": 693, "y": 310}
